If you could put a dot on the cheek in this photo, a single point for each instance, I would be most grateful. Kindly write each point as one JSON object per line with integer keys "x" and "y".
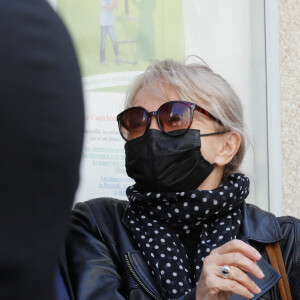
{"x": 209, "y": 146}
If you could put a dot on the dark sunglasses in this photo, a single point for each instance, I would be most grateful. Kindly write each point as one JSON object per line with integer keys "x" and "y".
{"x": 174, "y": 118}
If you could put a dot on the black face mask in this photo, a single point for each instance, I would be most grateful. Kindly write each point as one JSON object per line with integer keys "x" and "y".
{"x": 161, "y": 163}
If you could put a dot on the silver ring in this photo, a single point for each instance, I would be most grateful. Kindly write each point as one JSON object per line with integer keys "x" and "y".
{"x": 225, "y": 271}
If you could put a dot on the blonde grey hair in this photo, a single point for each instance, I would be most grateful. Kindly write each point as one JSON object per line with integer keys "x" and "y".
{"x": 197, "y": 83}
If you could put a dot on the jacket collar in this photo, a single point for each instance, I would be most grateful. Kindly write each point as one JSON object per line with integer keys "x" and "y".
{"x": 259, "y": 226}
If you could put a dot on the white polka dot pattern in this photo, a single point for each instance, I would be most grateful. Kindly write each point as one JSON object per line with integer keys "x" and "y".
{"x": 153, "y": 219}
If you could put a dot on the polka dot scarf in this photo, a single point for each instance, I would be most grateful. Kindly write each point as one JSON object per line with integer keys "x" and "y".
{"x": 158, "y": 221}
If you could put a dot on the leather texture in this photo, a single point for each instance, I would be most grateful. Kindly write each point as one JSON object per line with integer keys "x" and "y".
{"x": 104, "y": 262}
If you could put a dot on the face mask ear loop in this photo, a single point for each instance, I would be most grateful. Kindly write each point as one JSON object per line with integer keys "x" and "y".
{"x": 214, "y": 133}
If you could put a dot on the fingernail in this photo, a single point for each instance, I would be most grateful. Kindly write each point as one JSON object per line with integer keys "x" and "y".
{"x": 258, "y": 255}
{"x": 257, "y": 290}
{"x": 261, "y": 274}
{"x": 251, "y": 295}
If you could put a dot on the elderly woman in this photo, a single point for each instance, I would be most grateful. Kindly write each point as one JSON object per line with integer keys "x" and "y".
{"x": 186, "y": 232}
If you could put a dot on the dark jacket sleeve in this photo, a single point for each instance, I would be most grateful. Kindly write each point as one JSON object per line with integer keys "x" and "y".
{"x": 290, "y": 246}
{"x": 92, "y": 270}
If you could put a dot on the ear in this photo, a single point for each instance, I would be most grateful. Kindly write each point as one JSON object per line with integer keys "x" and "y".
{"x": 228, "y": 149}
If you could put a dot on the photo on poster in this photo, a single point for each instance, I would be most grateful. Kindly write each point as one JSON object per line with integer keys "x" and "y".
{"x": 121, "y": 37}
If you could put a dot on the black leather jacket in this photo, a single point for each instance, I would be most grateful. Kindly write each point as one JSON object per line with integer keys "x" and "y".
{"x": 104, "y": 262}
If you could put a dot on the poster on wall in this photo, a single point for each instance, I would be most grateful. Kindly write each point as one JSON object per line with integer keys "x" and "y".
{"x": 115, "y": 41}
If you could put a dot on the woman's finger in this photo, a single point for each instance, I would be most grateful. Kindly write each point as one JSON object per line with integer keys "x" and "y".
{"x": 238, "y": 260}
{"x": 216, "y": 285}
{"x": 241, "y": 277}
{"x": 238, "y": 246}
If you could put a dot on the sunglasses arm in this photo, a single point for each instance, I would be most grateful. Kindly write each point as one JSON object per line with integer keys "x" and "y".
{"x": 214, "y": 133}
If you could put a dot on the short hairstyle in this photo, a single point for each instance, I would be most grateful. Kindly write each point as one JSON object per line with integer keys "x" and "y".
{"x": 195, "y": 81}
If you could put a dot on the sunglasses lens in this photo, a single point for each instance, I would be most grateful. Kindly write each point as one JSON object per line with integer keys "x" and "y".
{"x": 175, "y": 117}
{"x": 133, "y": 123}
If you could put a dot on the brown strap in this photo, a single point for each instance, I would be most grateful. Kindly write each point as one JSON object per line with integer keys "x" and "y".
{"x": 276, "y": 260}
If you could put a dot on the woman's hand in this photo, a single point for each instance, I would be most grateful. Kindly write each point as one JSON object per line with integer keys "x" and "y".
{"x": 241, "y": 259}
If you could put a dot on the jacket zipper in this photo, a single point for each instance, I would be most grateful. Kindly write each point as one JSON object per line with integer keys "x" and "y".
{"x": 138, "y": 279}
{"x": 273, "y": 293}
